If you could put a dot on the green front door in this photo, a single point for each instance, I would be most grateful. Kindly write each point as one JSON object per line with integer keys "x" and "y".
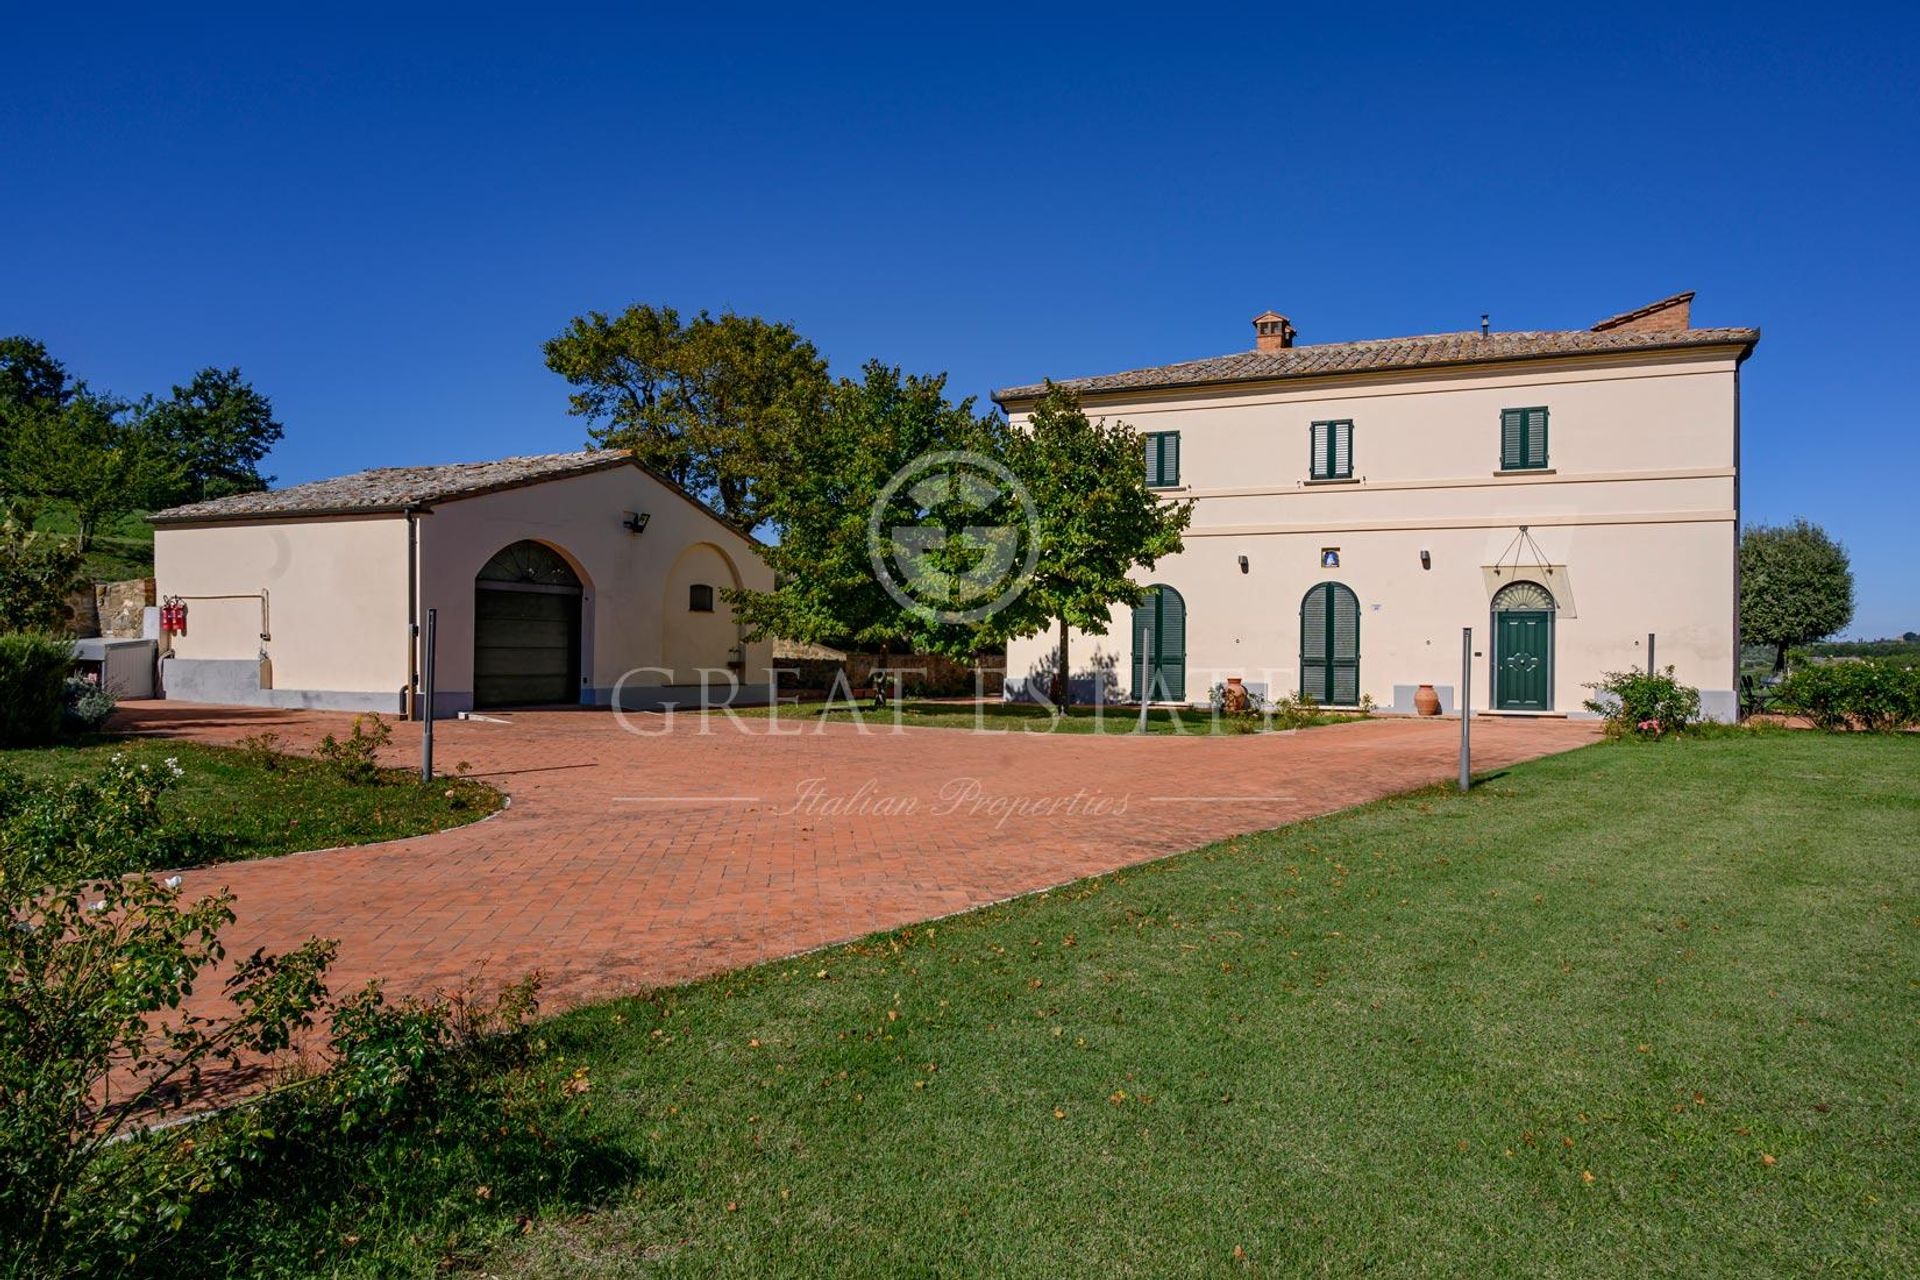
{"x": 1523, "y": 660}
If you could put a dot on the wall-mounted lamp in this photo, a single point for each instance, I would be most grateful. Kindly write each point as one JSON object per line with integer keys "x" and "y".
{"x": 636, "y": 522}
{"x": 1243, "y": 564}
{"x": 1426, "y": 560}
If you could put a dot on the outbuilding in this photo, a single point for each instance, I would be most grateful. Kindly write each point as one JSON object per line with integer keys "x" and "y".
{"x": 559, "y": 579}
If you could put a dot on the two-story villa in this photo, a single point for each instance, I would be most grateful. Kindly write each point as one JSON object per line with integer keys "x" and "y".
{"x": 1356, "y": 504}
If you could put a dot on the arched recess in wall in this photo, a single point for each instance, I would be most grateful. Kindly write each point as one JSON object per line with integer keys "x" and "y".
{"x": 697, "y": 630}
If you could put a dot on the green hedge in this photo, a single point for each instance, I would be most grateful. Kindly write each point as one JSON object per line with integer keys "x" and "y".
{"x": 33, "y": 676}
{"x": 1854, "y": 693}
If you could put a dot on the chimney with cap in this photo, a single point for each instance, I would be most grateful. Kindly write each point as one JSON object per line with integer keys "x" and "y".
{"x": 1272, "y": 331}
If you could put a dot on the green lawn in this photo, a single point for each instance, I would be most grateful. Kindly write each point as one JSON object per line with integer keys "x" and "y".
{"x": 1027, "y": 717}
{"x": 233, "y": 805}
{"x": 1640, "y": 1009}
{"x": 122, "y": 548}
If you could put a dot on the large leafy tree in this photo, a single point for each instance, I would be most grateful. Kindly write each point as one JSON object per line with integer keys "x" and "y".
{"x": 94, "y": 455}
{"x": 31, "y": 382}
{"x": 837, "y": 485}
{"x": 29, "y": 377}
{"x": 37, "y": 574}
{"x": 712, "y": 402}
{"x": 1796, "y": 586}
{"x": 218, "y": 429}
{"x": 1099, "y": 522}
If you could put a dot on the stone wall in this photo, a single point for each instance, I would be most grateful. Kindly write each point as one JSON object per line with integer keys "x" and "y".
{"x": 111, "y": 609}
{"x": 121, "y": 606}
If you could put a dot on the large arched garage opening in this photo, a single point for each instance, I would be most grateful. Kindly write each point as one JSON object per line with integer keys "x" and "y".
{"x": 1160, "y": 646}
{"x": 1523, "y": 647}
{"x": 1330, "y": 644}
{"x": 526, "y": 628}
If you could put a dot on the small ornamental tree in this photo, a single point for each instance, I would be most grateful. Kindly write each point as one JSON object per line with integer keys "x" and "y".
{"x": 1796, "y": 586}
{"x": 1099, "y": 522}
{"x": 835, "y": 485}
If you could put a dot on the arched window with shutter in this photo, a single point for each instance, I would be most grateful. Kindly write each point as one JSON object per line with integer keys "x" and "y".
{"x": 1330, "y": 644}
{"x": 1160, "y": 646}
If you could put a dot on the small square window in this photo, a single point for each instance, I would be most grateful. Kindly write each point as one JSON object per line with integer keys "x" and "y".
{"x": 700, "y": 598}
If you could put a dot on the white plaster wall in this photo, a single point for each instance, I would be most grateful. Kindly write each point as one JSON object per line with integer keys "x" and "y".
{"x": 337, "y": 592}
{"x": 626, "y": 576}
{"x": 1638, "y": 514}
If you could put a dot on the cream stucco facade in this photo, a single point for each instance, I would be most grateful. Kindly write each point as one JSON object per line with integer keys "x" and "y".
{"x": 318, "y": 608}
{"x": 1631, "y": 525}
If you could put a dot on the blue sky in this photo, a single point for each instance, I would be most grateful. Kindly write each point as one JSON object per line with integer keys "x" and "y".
{"x": 380, "y": 215}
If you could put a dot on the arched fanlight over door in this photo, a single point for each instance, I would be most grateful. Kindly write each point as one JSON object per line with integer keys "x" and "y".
{"x": 531, "y": 563}
{"x": 1523, "y": 595}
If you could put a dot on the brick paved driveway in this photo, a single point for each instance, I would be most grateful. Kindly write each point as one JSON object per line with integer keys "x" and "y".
{"x": 629, "y": 861}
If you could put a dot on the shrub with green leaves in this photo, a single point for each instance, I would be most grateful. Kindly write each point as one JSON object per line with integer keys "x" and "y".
{"x": 33, "y": 679}
{"x": 85, "y": 705}
{"x": 54, "y": 832}
{"x": 1644, "y": 703}
{"x": 95, "y": 1045}
{"x": 37, "y": 574}
{"x": 356, "y": 757}
{"x": 450, "y": 1111}
{"x": 1878, "y": 696}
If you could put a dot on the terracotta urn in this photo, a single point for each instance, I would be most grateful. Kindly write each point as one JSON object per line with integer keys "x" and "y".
{"x": 1235, "y": 698}
{"x": 1426, "y": 701}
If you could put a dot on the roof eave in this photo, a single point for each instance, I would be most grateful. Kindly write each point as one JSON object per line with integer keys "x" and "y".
{"x": 1030, "y": 394}
{"x": 304, "y": 513}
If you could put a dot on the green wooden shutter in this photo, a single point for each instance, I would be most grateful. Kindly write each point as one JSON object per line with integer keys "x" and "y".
{"x": 1322, "y": 449}
{"x": 1342, "y": 450}
{"x": 1171, "y": 646}
{"x": 1142, "y": 620}
{"x": 1513, "y": 436}
{"x": 1166, "y": 614}
{"x": 1313, "y": 644}
{"x": 1345, "y": 644}
{"x": 1163, "y": 459}
{"x": 1536, "y": 425}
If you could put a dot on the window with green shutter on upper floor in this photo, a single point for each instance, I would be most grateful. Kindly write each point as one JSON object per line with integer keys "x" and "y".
{"x": 1330, "y": 451}
{"x": 1523, "y": 439}
{"x": 1163, "y": 459}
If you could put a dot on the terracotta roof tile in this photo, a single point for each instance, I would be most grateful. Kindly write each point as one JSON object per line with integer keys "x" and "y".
{"x": 1380, "y": 354}
{"x": 395, "y": 488}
